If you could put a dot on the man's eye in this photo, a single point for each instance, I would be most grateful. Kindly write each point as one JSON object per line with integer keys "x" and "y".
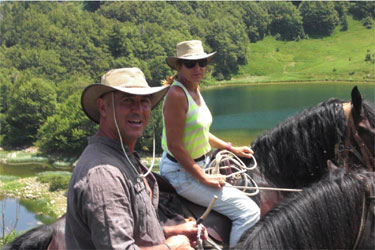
{"x": 128, "y": 100}
{"x": 146, "y": 101}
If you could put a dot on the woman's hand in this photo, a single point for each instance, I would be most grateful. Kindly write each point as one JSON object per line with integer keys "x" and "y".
{"x": 216, "y": 181}
{"x": 243, "y": 151}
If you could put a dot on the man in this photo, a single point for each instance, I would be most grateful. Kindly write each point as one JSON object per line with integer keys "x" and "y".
{"x": 111, "y": 202}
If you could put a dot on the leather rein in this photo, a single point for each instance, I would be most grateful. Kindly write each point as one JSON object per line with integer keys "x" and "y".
{"x": 365, "y": 155}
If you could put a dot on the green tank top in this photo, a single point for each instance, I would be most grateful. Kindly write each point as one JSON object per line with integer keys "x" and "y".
{"x": 197, "y": 127}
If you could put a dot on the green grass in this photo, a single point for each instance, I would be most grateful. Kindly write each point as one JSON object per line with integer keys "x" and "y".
{"x": 337, "y": 57}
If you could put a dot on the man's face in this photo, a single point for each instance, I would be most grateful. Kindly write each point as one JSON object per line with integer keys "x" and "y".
{"x": 132, "y": 115}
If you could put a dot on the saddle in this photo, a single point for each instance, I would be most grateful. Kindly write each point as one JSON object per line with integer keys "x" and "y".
{"x": 174, "y": 209}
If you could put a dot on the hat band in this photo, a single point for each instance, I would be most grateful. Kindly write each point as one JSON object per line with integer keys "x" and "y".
{"x": 192, "y": 55}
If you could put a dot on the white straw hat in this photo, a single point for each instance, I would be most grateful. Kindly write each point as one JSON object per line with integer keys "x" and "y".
{"x": 189, "y": 50}
{"x": 128, "y": 80}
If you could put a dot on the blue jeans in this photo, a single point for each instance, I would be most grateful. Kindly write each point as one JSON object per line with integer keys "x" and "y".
{"x": 231, "y": 202}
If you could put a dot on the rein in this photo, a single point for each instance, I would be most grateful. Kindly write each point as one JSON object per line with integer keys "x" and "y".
{"x": 365, "y": 215}
{"x": 343, "y": 150}
{"x": 362, "y": 226}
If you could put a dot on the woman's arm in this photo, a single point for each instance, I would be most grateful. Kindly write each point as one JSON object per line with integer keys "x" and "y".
{"x": 175, "y": 109}
{"x": 243, "y": 151}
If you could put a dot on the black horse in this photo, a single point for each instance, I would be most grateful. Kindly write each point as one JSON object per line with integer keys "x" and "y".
{"x": 294, "y": 154}
{"x": 332, "y": 214}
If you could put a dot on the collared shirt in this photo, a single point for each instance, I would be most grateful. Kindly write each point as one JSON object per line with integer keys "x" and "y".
{"x": 109, "y": 207}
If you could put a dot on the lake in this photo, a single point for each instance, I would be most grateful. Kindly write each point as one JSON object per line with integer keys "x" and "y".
{"x": 240, "y": 114}
{"x": 25, "y": 211}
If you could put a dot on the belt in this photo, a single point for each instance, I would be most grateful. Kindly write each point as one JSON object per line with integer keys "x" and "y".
{"x": 170, "y": 157}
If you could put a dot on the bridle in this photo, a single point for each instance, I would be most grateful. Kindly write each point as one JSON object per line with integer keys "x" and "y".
{"x": 365, "y": 156}
{"x": 366, "y": 213}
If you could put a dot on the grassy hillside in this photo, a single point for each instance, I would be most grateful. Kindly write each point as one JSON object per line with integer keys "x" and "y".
{"x": 338, "y": 57}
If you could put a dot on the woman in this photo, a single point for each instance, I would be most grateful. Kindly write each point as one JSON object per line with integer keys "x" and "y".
{"x": 186, "y": 140}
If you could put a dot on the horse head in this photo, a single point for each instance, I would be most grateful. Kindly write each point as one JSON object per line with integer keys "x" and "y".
{"x": 358, "y": 148}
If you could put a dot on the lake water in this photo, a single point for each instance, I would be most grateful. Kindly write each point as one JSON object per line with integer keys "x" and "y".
{"x": 242, "y": 113}
{"x": 20, "y": 215}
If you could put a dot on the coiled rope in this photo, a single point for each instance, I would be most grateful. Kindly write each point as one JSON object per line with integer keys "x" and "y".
{"x": 227, "y": 162}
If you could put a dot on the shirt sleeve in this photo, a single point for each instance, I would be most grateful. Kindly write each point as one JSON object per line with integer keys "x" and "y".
{"x": 107, "y": 209}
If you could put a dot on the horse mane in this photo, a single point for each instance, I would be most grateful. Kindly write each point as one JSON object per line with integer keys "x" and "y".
{"x": 295, "y": 152}
{"x": 36, "y": 238}
{"x": 324, "y": 216}
{"x": 369, "y": 110}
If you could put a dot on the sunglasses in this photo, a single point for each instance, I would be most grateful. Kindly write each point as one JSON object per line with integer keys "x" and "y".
{"x": 191, "y": 63}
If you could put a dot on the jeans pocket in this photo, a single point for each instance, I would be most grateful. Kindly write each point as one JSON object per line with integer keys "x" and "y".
{"x": 179, "y": 179}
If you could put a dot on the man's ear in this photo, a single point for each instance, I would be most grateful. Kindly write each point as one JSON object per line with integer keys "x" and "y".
{"x": 102, "y": 106}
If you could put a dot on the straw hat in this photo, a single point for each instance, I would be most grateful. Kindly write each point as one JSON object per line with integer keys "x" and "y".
{"x": 128, "y": 80}
{"x": 189, "y": 50}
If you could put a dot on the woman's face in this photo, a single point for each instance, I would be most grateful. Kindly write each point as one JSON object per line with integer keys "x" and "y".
{"x": 191, "y": 71}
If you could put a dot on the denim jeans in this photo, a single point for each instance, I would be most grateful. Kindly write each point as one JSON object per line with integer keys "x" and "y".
{"x": 231, "y": 202}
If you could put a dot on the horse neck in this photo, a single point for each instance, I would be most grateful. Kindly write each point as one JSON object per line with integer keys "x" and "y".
{"x": 295, "y": 153}
{"x": 297, "y": 222}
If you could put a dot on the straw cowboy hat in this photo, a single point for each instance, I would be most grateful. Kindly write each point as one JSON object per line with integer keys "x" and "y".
{"x": 128, "y": 80}
{"x": 189, "y": 50}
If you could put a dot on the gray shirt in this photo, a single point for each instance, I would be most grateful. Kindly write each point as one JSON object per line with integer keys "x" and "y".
{"x": 109, "y": 207}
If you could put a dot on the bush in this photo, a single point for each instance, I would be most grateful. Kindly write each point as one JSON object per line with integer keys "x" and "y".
{"x": 58, "y": 180}
{"x": 367, "y": 22}
{"x": 8, "y": 238}
{"x": 59, "y": 183}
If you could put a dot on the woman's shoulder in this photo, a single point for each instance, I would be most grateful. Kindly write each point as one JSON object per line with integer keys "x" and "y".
{"x": 176, "y": 91}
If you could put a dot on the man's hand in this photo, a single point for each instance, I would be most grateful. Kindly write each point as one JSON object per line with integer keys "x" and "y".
{"x": 178, "y": 242}
{"x": 189, "y": 229}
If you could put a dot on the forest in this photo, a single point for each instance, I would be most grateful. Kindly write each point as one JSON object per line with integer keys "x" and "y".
{"x": 50, "y": 51}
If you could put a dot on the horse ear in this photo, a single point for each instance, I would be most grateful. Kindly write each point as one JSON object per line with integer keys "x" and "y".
{"x": 331, "y": 166}
{"x": 356, "y": 100}
{"x": 334, "y": 172}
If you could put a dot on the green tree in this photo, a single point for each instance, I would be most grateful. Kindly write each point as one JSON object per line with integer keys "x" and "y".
{"x": 154, "y": 127}
{"x": 256, "y": 20}
{"x": 228, "y": 38}
{"x": 319, "y": 18}
{"x": 71, "y": 85}
{"x": 31, "y": 102}
{"x": 65, "y": 132}
{"x": 362, "y": 9}
{"x": 344, "y": 22}
{"x": 367, "y": 22}
{"x": 285, "y": 20}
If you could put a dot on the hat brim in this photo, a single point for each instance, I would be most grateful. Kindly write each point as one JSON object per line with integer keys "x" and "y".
{"x": 172, "y": 60}
{"x": 92, "y": 92}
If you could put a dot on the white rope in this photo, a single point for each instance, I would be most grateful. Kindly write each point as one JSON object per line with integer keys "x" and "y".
{"x": 199, "y": 239}
{"x": 238, "y": 168}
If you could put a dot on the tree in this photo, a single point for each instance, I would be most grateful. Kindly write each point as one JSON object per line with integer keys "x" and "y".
{"x": 65, "y": 132}
{"x": 31, "y": 102}
{"x": 319, "y": 18}
{"x": 285, "y": 20}
{"x": 154, "y": 128}
{"x": 362, "y": 9}
{"x": 256, "y": 20}
{"x": 226, "y": 34}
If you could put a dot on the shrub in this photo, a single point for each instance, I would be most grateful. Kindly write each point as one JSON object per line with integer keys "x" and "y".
{"x": 58, "y": 180}
{"x": 367, "y": 22}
